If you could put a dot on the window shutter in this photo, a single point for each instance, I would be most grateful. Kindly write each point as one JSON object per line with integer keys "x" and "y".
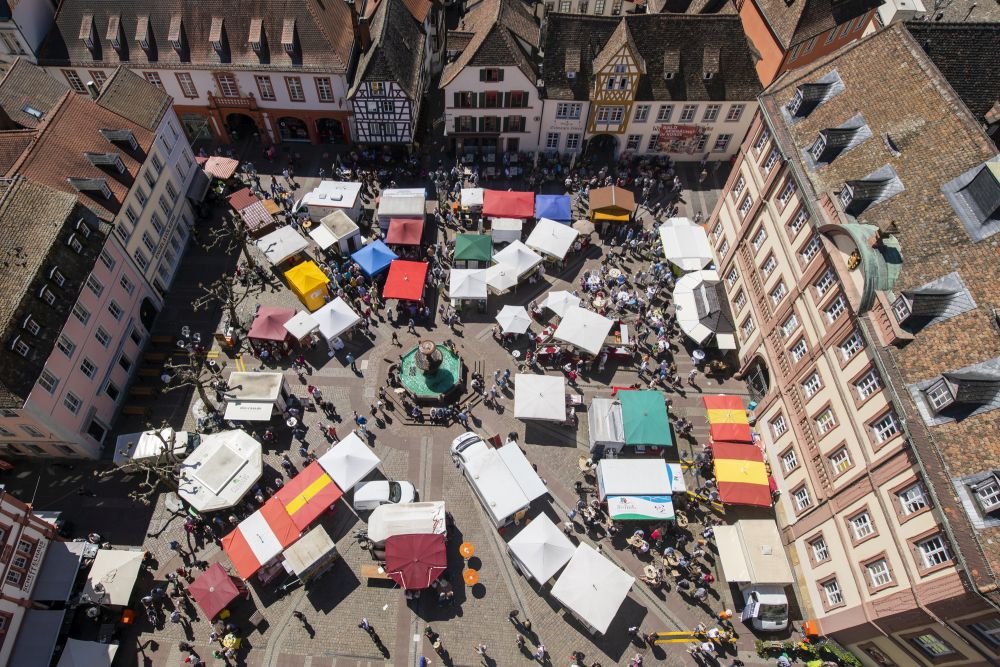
{"x": 458, "y": 99}
{"x": 482, "y": 101}
{"x": 506, "y": 123}
{"x": 482, "y": 75}
{"x": 499, "y": 74}
{"x": 506, "y": 100}
{"x": 482, "y": 123}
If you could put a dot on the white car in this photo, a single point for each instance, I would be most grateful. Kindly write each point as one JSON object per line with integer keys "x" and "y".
{"x": 467, "y": 445}
{"x": 369, "y": 495}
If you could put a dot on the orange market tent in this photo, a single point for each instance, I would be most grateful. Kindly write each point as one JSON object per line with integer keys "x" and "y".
{"x": 241, "y": 199}
{"x": 308, "y": 282}
{"x": 307, "y": 495}
{"x": 727, "y": 419}
{"x": 260, "y": 537}
{"x": 611, "y": 204}
{"x": 509, "y": 204}
{"x": 405, "y": 231}
{"x": 740, "y": 474}
{"x": 405, "y": 280}
{"x": 218, "y": 166}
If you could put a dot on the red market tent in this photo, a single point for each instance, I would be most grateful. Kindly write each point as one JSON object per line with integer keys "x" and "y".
{"x": 270, "y": 323}
{"x": 727, "y": 419}
{"x": 260, "y": 537}
{"x": 508, "y": 204}
{"x": 215, "y": 589}
{"x": 405, "y": 280}
{"x": 241, "y": 199}
{"x": 307, "y": 495}
{"x": 218, "y": 166}
{"x": 415, "y": 561}
{"x": 740, "y": 474}
{"x": 405, "y": 231}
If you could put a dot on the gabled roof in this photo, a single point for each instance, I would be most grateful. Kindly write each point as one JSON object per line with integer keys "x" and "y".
{"x": 30, "y": 87}
{"x": 130, "y": 96}
{"x": 419, "y": 9}
{"x": 794, "y": 22}
{"x": 966, "y": 55}
{"x": 500, "y": 34}
{"x": 322, "y": 27}
{"x": 675, "y": 42}
{"x": 396, "y": 52}
{"x": 621, "y": 37}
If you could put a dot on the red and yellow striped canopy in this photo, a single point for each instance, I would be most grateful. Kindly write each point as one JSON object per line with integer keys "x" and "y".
{"x": 740, "y": 474}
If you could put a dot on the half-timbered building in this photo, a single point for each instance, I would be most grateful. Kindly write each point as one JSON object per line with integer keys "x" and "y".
{"x": 390, "y": 80}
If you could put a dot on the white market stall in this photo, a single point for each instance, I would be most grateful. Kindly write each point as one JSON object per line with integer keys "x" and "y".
{"x": 311, "y": 555}
{"x": 552, "y": 238}
{"x": 472, "y": 199}
{"x": 112, "y": 577}
{"x": 506, "y": 230}
{"x": 467, "y": 284}
{"x": 639, "y": 489}
{"x": 253, "y": 396}
{"x": 541, "y": 397}
{"x": 500, "y": 278}
{"x": 409, "y": 519}
{"x": 513, "y": 319}
{"x": 337, "y": 229}
{"x": 149, "y": 445}
{"x": 301, "y": 326}
{"x": 349, "y": 461}
{"x": 584, "y": 329}
{"x": 685, "y": 244}
{"x": 519, "y": 257}
{"x": 504, "y": 481}
{"x": 334, "y": 319}
{"x": 560, "y": 301}
{"x": 540, "y": 550}
{"x": 751, "y": 551}
{"x": 79, "y": 653}
{"x": 221, "y": 471}
{"x": 330, "y": 196}
{"x": 281, "y": 244}
{"x": 401, "y": 203}
{"x": 607, "y": 429}
{"x": 703, "y": 310}
{"x": 592, "y": 588}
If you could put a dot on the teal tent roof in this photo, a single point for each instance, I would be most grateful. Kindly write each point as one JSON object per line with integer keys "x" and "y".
{"x": 473, "y": 247}
{"x": 644, "y": 417}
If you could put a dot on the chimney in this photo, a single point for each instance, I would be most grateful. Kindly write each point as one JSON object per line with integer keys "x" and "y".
{"x": 364, "y": 34}
{"x": 362, "y": 40}
{"x": 93, "y": 89}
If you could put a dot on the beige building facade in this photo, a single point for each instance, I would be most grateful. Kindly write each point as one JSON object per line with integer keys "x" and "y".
{"x": 813, "y": 266}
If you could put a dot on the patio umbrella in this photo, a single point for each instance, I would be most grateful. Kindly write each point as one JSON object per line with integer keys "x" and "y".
{"x": 584, "y": 226}
{"x": 415, "y": 561}
{"x": 500, "y": 277}
{"x": 514, "y": 319}
{"x": 561, "y": 301}
{"x": 214, "y": 590}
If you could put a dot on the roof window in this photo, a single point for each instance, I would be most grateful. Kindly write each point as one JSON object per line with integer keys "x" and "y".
{"x": 257, "y": 40}
{"x": 120, "y": 137}
{"x": 88, "y": 32}
{"x": 114, "y": 34}
{"x": 176, "y": 34}
{"x": 106, "y": 160}
{"x": 96, "y": 185}
{"x": 671, "y": 63}
{"x": 982, "y": 194}
{"x": 857, "y": 196}
{"x": 289, "y": 38}
{"x": 143, "y": 35}
{"x": 810, "y": 95}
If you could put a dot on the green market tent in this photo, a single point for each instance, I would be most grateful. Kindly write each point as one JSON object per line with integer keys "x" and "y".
{"x": 473, "y": 248}
{"x": 644, "y": 417}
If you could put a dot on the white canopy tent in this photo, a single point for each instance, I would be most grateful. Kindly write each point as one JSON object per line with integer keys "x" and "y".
{"x": 401, "y": 203}
{"x": 472, "y": 198}
{"x": 630, "y": 477}
{"x": 703, "y": 309}
{"x": 552, "y": 238}
{"x": 751, "y": 551}
{"x": 505, "y": 481}
{"x": 607, "y": 429}
{"x": 148, "y": 445}
{"x": 686, "y": 244}
{"x": 78, "y": 653}
{"x": 592, "y": 588}
{"x": 519, "y": 257}
{"x": 221, "y": 470}
{"x": 560, "y": 301}
{"x": 335, "y": 318}
{"x": 281, "y": 244}
{"x": 409, "y": 519}
{"x": 252, "y": 396}
{"x": 513, "y": 319}
{"x": 541, "y": 549}
{"x": 349, "y": 461}
{"x": 301, "y": 325}
{"x": 540, "y": 397}
{"x": 112, "y": 576}
{"x": 584, "y": 329}
{"x": 500, "y": 277}
{"x": 337, "y": 229}
{"x": 467, "y": 284}
{"x": 506, "y": 229}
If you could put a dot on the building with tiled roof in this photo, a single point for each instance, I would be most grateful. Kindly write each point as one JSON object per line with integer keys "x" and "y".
{"x": 274, "y": 68}
{"x": 793, "y": 33}
{"x": 856, "y": 238}
{"x": 660, "y": 84}
{"x": 391, "y": 78}
{"x": 490, "y": 80}
{"x": 94, "y": 206}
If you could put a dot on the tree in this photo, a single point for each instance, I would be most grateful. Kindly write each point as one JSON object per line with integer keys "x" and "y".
{"x": 226, "y": 291}
{"x": 156, "y": 473}
{"x": 192, "y": 374}
{"x": 230, "y": 237}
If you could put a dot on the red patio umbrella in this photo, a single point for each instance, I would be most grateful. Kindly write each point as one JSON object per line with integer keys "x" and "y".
{"x": 215, "y": 589}
{"x": 405, "y": 231}
{"x": 405, "y": 280}
{"x": 415, "y": 561}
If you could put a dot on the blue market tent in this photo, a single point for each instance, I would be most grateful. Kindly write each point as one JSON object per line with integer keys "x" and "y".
{"x": 374, "y": 258}
{"x": 553, "y": 207}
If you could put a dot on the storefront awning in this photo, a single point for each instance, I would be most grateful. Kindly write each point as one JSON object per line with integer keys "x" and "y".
{"x": 641, "y": 508}
{"x": 37, "y": 637}
{"x": 199, "y": 186}
{"x": 58, "y": 573}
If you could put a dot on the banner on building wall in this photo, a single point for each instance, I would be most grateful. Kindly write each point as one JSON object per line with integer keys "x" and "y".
{"x": 679, "y": 138}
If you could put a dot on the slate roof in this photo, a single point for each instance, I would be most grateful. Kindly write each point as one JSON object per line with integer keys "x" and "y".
{"x": 133, "y": 97}
{"x": 889, "y": 79}
{"x": 498, "y": 32}
{"x": 70, "y": 129}
{"x": 794, "y": 22}
{"x": 45, "y": 89}
{"x": 660, "y": 39}
{"x": 966, "y": 54}
{"x": 419, "y": 9}
{"x": 396, "y": 52}
{"x": 323, "y": 29}
{"x": 35, "y": 223}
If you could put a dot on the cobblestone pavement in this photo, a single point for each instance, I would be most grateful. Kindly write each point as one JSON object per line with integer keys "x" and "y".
{"x": 334, "y": 604}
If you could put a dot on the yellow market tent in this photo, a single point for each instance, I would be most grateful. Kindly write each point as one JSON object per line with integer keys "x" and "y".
{"x": 308, "y": 283}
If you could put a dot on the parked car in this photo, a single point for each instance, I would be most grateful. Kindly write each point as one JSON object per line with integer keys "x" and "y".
{"x": 369, "y": 495}
{"x": 467, "y": 446}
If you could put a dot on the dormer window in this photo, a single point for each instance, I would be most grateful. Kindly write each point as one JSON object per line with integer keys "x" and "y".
{"x": 901, "y": 309}
{"x": 57, "y": 277}
{"x": 256, "y": 39}
{"x": 924, "y": 303}
{"x": 120, "y": 137}
{"x": 114, "y": 34}
{"x": 20, "y": 346}
{"x": 982, "y": 194}
{"x": 31, "y": 326}
{"x": 859, "y": 195}
{"x": 217, "y": 35}
{"x": 940, "y": 395}
{"x": 176, "y": 34}
{"x": 82, "y": 228}
{"x": 142, "y": 33}
{"x": 112, "y": 160}
{"x": 74, "y": 243}
{"x": 572, "y": 63}
{"x": 88, "y": 32}
{"x": 47, "y": 295}
{"x": 671, "y": 63}
{"x": 808, "y": 96}
{"x": 289, "y": 38}
{"x": 94, "y": 185}
{"x": 710, "y": 63}
{"x": 833, "y": 141}
{"x": 988, "y": 494}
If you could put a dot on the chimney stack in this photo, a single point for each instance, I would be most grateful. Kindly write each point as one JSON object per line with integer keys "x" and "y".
{"x": 93, "y": 89}
{"x": 362, "y": 36}
{"x": 364, "y": 33}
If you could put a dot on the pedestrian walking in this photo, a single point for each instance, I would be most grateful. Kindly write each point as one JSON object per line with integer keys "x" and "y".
{"x": 692, "y": 375}
{"x": 175, "y": 616}
{"x": 540, "y": 653}
{"x": 481, "y": 650}
{"x": 411, "y": 327}
{"x": 350, "y": 361}
{"x": 395, "y": 339}
{"x": 700, "y": 594}
{"x": 366, "y": 626}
